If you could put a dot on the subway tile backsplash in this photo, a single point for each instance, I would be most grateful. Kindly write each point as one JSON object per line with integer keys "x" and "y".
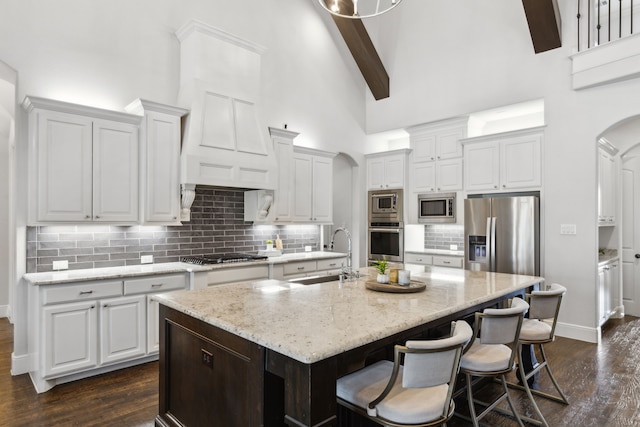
{"x": 442, "y": 236}
{"x": 217, "y": 226}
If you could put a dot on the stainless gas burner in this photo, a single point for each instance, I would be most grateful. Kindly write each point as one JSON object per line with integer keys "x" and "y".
{"x": 222, "y": 258}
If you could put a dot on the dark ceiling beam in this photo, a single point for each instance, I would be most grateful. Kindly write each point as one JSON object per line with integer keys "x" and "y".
{"x": 544, "y": 24}
{"x": 364, "y": 53}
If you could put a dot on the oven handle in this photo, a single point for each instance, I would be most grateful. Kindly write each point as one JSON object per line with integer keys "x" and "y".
{"x": 386, "y": 230}
{"x": 377, "y": 195}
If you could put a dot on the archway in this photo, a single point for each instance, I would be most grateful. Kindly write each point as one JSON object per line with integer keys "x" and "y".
{"x": 625, "y": 235}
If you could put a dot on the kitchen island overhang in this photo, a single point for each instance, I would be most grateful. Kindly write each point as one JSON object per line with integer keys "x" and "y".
{"x": 298, "y": 339}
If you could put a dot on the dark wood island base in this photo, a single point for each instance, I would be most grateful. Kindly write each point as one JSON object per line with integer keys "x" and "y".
{"x": 211, "y": 377}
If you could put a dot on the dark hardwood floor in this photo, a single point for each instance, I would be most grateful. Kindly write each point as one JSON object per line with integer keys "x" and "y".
{"x": 601, "y": 382}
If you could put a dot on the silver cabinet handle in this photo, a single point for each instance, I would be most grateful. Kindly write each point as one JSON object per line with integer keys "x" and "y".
{"x": 156, "y": 285}
{"x": 86, "y": 292}
{"x": 300, "y": 268}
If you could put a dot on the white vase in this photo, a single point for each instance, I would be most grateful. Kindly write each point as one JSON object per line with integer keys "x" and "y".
{"x": 269, "y": 246}
{"x": 382, "y": 278}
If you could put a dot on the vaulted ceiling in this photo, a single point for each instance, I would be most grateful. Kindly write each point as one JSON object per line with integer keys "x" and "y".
{"x": 543, "y": 18}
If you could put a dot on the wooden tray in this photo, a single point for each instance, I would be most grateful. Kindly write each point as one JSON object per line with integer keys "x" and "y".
{"x": 414, "y": 286}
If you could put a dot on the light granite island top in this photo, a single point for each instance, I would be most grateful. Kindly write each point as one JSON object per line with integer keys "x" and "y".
{"x": 310, "y": 323}
{"x": 269, "y": 352}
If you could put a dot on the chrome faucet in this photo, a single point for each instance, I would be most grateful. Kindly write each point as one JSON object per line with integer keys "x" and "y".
{"x": 347, "y": 271}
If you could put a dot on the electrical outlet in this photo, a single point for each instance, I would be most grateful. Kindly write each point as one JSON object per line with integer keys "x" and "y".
{"x": 453, "y": 247}
{"x": 61, "y": 265}
{"x": 207, "y": 358}
{"x": 146, "y": 259}
{"x": 307, "y": 248}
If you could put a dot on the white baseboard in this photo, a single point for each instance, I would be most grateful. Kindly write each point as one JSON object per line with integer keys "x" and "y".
{"x": 4, "y": 311}
{"x": 580, "y": 333}
{"x": 19, "y": 364}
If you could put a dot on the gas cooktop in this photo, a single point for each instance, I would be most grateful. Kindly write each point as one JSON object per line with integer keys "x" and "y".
{"x": 222, "y": 258}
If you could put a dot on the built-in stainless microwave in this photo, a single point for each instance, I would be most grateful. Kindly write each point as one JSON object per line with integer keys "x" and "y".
{"x": 385, "y": 206}
{"x": 437, "y": 208}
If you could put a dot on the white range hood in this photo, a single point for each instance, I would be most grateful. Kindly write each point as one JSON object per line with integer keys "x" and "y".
{"x": 225, "y": 143}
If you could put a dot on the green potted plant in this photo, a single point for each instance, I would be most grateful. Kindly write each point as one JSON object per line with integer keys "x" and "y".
{"x": 381, "y": 268}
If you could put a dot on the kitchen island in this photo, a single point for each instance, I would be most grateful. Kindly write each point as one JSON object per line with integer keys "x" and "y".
{"x": 269, "y": 352}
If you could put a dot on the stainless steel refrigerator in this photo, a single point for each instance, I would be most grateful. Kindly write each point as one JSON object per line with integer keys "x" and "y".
{"x": 502, "y": 234}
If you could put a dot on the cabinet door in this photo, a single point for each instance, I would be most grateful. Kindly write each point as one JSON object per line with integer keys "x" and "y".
{"x": 606, "y": 189}
{"x": 302, "y": 197}
{"x": 482, "y": 169}
{"x": 520, "y": 162}
{"x": 283, "y": 196}
{"x": 448, "y": 144}
{"x": 375, "y": 173}
{"x": 424, "y": 177}
{"x": 153, "y": 326}
{"x": 162, "y": 187}
{"x": 123, "y": 328}
{"x": 322, "y": 189}
{"x": 424, "y": 148}
{"x": 115, "y": 171}
{"x": 449, "y": 175}
{"x": 394, "y": 171}
{"x": 64, "y": 153}
{"x": 70, "y": 340}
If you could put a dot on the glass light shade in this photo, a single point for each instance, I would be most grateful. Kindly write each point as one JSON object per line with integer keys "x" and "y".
{"x": 358, "y": 9}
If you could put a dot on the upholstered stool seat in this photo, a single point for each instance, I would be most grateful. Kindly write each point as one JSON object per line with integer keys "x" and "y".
{"x": 418, "y": 393}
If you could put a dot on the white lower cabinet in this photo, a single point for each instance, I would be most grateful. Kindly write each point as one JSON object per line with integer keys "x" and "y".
{"x": 94, "y": 326}
{"x": 70, "y": 338}
{"x": 123, "y": 328}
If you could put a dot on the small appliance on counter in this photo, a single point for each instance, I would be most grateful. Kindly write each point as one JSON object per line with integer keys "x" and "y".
{"x": 222, "y": 258}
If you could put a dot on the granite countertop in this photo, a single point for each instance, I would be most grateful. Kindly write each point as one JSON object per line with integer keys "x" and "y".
{"x": 607, "y": 255}
{"x": 312, "y": 322}
{"x": 437, "y": 252}
{"x": 70, "y": 276}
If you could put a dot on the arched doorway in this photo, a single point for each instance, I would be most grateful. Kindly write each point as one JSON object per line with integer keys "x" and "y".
{"x": 625, "y": 235}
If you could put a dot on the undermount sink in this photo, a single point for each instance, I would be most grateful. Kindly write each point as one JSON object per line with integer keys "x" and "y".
{"x": 315, "y": 279}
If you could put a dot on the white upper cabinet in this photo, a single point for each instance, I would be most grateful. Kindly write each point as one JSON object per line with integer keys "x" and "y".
{"x": 386, "y": 170}
{"x": 283, "y": 149}
{"x": 436, "y": 157}
{"x": 313, "y": 186}
{"x": 606, "y": 183}
{"x": 160, "y": 161}
{"x": 83, "y": 163}
{"x": 504, "y": 162}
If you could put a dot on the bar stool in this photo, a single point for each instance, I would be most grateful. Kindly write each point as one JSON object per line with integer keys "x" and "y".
{"x": 418, "y": 393}
{"x": 492, "y": 353}
{"x": 537, "y": 330}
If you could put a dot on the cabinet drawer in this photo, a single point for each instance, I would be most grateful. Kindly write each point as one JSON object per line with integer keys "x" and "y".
{"x": 330, "y": 264}
{"x": 418, "y": 259}
{"x": 443, "y": 261}
{"x": 299, "y": 267}
{"x": 158, "y": 283}
{"x": 240, "y": 274}
{"x": 81, "y": 291}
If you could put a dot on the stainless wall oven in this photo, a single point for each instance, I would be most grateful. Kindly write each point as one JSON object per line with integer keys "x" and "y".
{"x": 386, "y": 234}
{"x": 386, "y": 243}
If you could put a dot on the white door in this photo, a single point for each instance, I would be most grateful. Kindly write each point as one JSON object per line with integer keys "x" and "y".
{"x": 64, "y": 167}
{"x": 123, "y": 328}
{"x": 115, "y": 171}
{"x": 69, "y": 338}
{"x": 631, "y": 235}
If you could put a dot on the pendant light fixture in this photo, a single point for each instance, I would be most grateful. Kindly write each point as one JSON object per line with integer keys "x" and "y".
{"x": 358, "y": 9}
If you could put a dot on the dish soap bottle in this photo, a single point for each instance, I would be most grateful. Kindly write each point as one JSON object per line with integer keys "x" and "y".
{"x": 278, "y": 243}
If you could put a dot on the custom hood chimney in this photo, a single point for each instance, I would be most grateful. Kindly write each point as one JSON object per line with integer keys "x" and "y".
{"x": 225, "y": 143}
